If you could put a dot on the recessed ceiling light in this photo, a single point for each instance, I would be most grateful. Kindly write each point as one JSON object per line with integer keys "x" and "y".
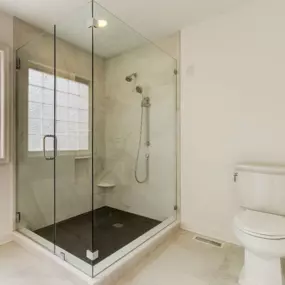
{"x": 94, "y": 23}
{"x": 102, "y": 23}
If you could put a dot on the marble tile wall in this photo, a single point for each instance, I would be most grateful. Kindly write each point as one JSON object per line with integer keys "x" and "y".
{"x": 155, "y": 74}
{"x": 35, "y": 174}
{"x": 117, "y": 120}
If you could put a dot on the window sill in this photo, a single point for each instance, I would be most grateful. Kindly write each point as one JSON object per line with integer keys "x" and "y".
{"x": 83, "y": 157}
{"x": 40, "y": 154}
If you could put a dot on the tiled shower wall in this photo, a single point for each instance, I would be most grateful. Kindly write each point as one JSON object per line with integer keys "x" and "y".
{"x": 155, "y": 74}
{"x": 117, "y": 120}
{"x": 35, "y": 174}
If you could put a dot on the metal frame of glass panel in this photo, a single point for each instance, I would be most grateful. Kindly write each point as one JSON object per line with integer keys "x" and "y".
{"x": 42, "y": 196}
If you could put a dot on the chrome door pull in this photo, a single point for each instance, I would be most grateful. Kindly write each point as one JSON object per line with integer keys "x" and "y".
{"x": 54, "y": 147}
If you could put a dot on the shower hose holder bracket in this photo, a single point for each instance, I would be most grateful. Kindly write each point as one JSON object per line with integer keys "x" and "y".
{"x": 146, "y": 102}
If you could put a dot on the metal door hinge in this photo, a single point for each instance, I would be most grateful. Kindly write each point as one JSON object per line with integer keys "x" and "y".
{"x": 175, "y": 71}
{"x": 235, "y": 176}
{"x": 62, "y": 255}
{"x": 18, "y": 63}
{"x": 92, "y": 255}
{"x": 18, "y": 217}
{"x": 175, "y": 208}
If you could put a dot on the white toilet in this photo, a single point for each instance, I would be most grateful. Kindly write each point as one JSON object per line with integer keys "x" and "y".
{"x": 260, "y": 223}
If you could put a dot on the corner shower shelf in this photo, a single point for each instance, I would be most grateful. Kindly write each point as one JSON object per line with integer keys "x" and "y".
{"x": 106, "y": 184}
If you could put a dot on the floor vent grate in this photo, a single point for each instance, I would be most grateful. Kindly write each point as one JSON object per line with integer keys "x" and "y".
{"x": 208, "y": 241}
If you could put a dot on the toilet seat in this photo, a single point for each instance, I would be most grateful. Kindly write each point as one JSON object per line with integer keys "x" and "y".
{"x": 262, "y": 225}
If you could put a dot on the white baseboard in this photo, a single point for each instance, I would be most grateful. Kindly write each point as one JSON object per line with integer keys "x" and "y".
{"x": 208, "y": 234}
{"x": 6, "y": 238}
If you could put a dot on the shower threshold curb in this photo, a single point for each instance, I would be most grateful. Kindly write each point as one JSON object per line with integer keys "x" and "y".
{"x": 115, "y": 270}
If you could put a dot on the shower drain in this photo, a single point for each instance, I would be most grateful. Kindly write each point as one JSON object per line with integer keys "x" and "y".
{"x": 118, "y": 225}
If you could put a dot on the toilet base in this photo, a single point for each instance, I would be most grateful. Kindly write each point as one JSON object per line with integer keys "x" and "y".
{"x": 259, "y": 270}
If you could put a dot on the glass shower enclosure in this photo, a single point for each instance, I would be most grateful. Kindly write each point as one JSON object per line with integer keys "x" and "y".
{"x": 96, "y": 138}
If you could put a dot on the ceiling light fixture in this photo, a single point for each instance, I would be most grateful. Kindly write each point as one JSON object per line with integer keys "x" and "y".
{"x": 94, "y": 23}
{"x": 102, "y": 23}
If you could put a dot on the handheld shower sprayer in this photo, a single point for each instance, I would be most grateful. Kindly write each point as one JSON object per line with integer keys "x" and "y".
{"x": 145, "y": 105}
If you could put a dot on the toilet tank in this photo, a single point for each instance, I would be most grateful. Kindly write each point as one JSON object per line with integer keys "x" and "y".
{"x": 261, "y": 187}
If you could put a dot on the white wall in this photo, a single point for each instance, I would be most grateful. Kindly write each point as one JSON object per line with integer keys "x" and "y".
{"x": 6, "y": 179}
{"x": 155, "y": 69}
{"x": 233, "y": 102}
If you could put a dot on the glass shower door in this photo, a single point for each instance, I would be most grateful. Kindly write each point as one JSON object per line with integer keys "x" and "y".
{"x": 74, "y": 166}
{"x": 54, "y": 190}
{"x": 36, "y": 141}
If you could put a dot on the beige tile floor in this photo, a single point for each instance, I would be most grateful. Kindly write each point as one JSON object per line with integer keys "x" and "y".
{"x": 19, "y": 267}
{"x": 180, "y": 260}
{"x": 183, "y": 260}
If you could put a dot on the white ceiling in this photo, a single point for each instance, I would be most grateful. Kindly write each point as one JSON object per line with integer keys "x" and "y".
{"x": 152, "y": 18}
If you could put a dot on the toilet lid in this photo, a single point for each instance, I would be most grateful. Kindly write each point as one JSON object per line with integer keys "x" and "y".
{"x": 261, "y": 224}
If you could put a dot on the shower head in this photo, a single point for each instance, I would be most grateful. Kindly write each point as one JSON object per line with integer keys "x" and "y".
{"x": 130, "y": 77}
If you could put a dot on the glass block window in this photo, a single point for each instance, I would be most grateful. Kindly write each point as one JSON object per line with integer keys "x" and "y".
{"x": 72, "y": 113}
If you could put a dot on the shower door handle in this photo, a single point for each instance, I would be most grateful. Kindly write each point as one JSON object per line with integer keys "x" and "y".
{"x": 54, "y": 147}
